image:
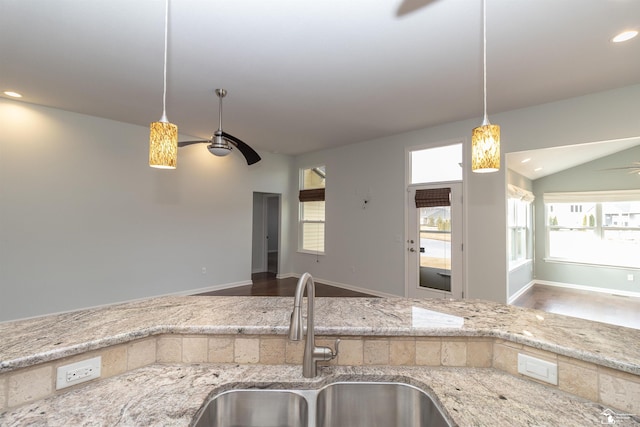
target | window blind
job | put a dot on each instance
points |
(313, 195)
(514, 192)
(433, 197)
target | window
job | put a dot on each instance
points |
(437, 164)
(311, 230)
(519, 222)
(600, 227)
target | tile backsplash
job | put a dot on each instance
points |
(596, 383)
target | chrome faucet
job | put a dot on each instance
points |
(312, 353)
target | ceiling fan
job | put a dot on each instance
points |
(221, 142)
(410, 6)
(635, 168)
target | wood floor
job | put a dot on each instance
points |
(601, 307)
(266, 284)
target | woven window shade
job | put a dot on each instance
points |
(433, 197)
(315, 195)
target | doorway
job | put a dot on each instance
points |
(434, 244)
(266, 233)
(434, 221)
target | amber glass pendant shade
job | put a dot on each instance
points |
(485, 148)
(163, 145)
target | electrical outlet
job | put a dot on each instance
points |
(630, 277)
(538, 368)
(79, 372)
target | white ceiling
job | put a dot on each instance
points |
(304, 75)
(535, 164)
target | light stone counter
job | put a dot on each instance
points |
(172, 395)
(29, 342)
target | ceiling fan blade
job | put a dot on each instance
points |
(623, 168)
(248, 152)
(409, 6)
(183, 143)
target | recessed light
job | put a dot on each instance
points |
(525, 160)
(537, 169)
(12, 94)
(624, 36)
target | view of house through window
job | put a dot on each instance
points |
(594, 228)
(312, 204)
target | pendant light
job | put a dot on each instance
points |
(163, 136)
(485, 139)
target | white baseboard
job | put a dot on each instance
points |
(350, 287)
(590, 288)
(524, 289)
(210, 288)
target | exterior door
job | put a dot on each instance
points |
(434, 242)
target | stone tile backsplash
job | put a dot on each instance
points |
(599, 384)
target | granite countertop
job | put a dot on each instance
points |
(28, 342)
(172, 395)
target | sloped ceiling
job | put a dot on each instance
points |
(305, 75)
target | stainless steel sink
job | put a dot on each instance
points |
(256, 408)
(341, 404)
(365, 404)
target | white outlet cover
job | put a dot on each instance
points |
(538, 369)
(86, 370)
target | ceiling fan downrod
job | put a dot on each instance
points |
(219, 146)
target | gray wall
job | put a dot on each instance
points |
(586, 177)
(85, 221)
(365, 247)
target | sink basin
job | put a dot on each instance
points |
(365, 404)
(343, 404)
(256, 408)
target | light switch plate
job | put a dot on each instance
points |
(538, 369)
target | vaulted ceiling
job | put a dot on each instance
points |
(304, 75)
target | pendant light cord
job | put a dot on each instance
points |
(164, 92)
(485, 121)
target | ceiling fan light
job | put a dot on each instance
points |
(485, 148)
(218, 150)
(163, 145)
(219, 147)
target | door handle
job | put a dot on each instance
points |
(411, 250)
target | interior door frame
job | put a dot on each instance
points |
(266, 216)
(259, 241)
